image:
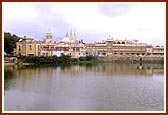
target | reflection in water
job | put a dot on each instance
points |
(107, 86)
(116, 70)
(9, 77)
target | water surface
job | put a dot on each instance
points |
(103, 87)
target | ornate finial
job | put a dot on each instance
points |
(67, 34)
(49, 30)
(71, 32)
(74, 32)
(74, 35)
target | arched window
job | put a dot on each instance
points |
(19, 48)
(30, 47)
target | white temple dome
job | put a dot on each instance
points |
(69, 38)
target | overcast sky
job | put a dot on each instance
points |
(145, 22)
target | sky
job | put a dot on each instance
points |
(145, 22)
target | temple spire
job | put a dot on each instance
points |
(67, 34)
(49, 30)
(71, 32)
(74, 35)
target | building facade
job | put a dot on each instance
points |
(28, 46)
(127, 48)
(70, 45)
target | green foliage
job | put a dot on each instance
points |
(82, 58)
(75, 60)
(88, 60)
(62, 60)
(160, 61)
(10, 42)
(65, 59)
(30, 59)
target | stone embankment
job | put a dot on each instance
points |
(125, 59)
(10, 61)
(118, 59)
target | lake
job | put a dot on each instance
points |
(102, 87)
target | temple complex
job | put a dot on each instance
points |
(71, 45)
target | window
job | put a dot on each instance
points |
(30, 47)
(19, 48)
(77, 49)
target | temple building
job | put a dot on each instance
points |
(47, 45)
(71, 45)
(69, 38)
(48, 37)
(119, 48)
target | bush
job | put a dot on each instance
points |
(30, 59)
(62, 60)
(82, 58)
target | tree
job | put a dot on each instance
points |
(10, 42)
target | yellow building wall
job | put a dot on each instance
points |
(37, 49)
(49, 53)
(19, 48)
(30, 49)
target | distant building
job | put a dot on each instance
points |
(70, 45)
(158, 51)
(129, 48)
(28, 46)
(47, 45)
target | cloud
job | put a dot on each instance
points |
(33, 20)
(91, 21)
(114, 9)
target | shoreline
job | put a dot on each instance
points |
(12, 63)
(87, 62)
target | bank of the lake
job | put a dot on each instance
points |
(89, 59)
(133, 59)
(62, 60)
